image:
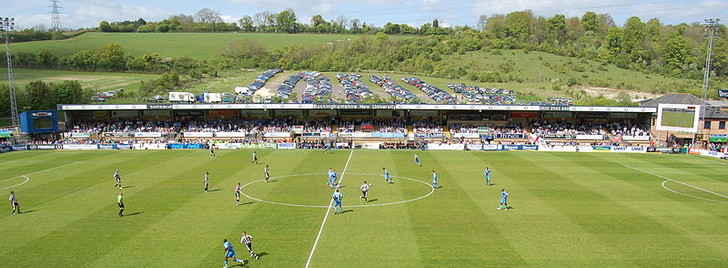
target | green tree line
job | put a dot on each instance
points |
(39, 95)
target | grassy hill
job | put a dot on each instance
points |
(192, 45)
(96, 81)
(534, 75)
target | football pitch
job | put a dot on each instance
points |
(567, 209)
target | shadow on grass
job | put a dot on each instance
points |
(214, 190)
(133, 214)
(347, 211)
(28, 211)
(247, 203)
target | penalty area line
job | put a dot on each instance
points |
(24, 182)
(326, 216)
(676, 181)
(35, 172)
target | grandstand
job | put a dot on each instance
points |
(356, 125)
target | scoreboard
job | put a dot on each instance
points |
(39, 122)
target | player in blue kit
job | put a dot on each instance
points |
(230, 253)
(504, 200)
(487, 175)
(332, 178)
(434, 180)
(417, 160)
(387, 177)
(337, 196)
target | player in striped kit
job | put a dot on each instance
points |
(238, 192)
(267, 173)
(247, 240)
(365, 191)
(14, 202)
(117, 177)
(206, 181)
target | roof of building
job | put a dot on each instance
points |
(713, 112)
(718, 103)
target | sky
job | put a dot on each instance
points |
(88, 13)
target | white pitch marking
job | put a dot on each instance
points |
(668, 179)
(432, 190)
(326, 216)
(671, 190)
(35, 172)
(22, 176)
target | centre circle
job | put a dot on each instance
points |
(432, 190)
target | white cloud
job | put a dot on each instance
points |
(94, 11)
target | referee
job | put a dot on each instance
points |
(120, 201)
(247, 239)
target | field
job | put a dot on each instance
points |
(95, 81)
(192, 45)
(584, 210)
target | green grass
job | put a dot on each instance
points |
(192, 45)
(579, 210)
(95, 81)
(540, 70)
(678, 119)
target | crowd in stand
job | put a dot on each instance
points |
(346, 126)
(509, 128)
(221, 125)
(627, 128)
(126, 126)
(542, 127)
(428, 127)
(322, 125)
(391, 126)
(410, 145)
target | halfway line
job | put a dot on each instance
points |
(326, 216)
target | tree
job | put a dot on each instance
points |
(557, 27)
(518, 24)
(317, 20)
(4, 100)
(82, 60)
(355, 26)
(286, 21)
(246, 24)
(435, 23)
(111, 57)
(676, 50)
(633, 38)
(259, 20)
(391, 28)
(589, 21)
(482, 22)
(69, 92)
(40, 95)
(208, 16)
(104, 26)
